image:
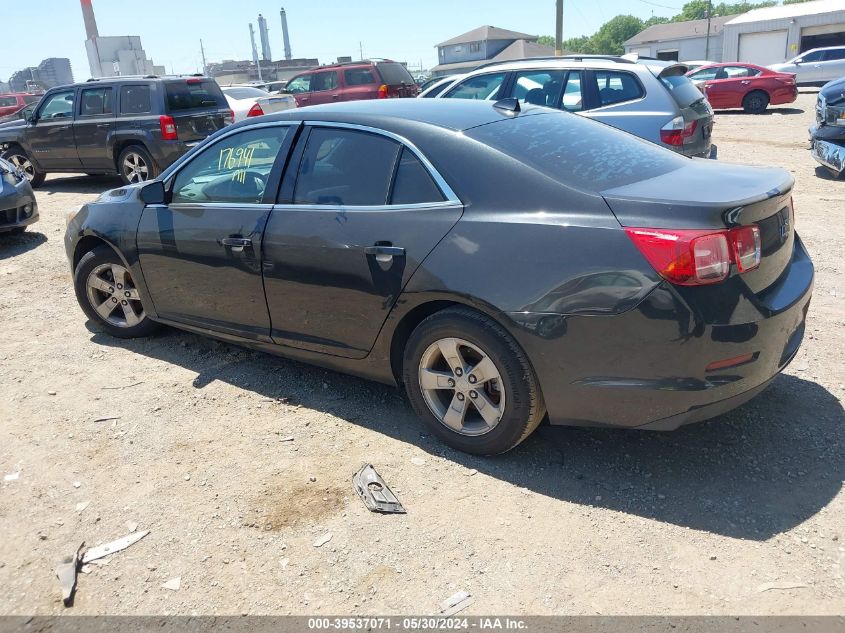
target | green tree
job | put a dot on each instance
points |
(546, 40)
(610, 38)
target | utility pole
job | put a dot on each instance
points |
(559, 28)
(707, 40)
(361, 50)
(202, 51)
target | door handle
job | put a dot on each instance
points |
(236, 243)
(335, 97)
(384, 253)
(745, 82)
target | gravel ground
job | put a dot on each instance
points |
(189, 438)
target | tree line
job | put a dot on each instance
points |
(610, 38)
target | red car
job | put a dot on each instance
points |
(752, 88)
(351, 81)
(14, 101)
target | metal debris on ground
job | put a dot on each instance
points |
(374, 492)
(66, 573)
(131, 526)
(12, 476)
(134, 384)
(323, 540)
(82, 505)
(456, 603)
(115, 546)
(107, 419)
(173, 584)
(780, 585)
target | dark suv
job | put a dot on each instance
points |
(135, 126)
(352, 81)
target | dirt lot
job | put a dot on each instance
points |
(741, 515)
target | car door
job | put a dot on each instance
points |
(200, 253)
(300, 88)
(93, 125)
(347, 234)
(51, 136)
(359, 83)
(324, 88)
(808, 68)
(832, 64)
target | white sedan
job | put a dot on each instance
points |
(247, 101)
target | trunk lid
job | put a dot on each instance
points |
(276, 103)
(197, 106)
(397, 79)
(705, 195)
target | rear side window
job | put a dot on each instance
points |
(358, 77)
(332, 171)
(323, 81)
(191, 94)
(413, 184)
(6, 102)
(617, 87)
(484, 87)
(135, 100)
(576, 151)
(393, 73)
(683, 91)
(838, 53)
(95, 101)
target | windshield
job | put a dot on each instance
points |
(683, 90)
(245, 93)
(578, 152)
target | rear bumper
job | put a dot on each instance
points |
(646, 368)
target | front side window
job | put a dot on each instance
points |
(358, 77)
(95, 101)
(324, 81)
(706, 74)
(732, 72)
(135, 100)
(481, 87)
(57, 106)
(538, 87)
(233, 170)
(617, 87)
(299, 84)
(332, 170)
(815, 56)
(413, 184)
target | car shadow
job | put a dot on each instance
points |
(768, 112)
(14, 245)
(78, 184)
(825, 174)
(753, 473)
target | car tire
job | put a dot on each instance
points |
(505, 385)
(108, 295)
(18, 158)
(755, 102)
(136, 165)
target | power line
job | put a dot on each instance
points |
(662, 6)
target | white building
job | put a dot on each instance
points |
(681, 41)
(118, 56)
(776, 34)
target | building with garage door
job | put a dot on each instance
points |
(776, 34)
(681, 41)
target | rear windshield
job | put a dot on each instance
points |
(393, 73)
(245, 93)
(576, 151)
(682, 89)
(187, 95)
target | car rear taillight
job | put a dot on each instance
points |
(691, 257)
(383, 91)
(677, 131)
(788, 80)
(168, 128)
(255, 111)
(229, 118)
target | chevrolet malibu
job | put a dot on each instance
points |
(504, 263)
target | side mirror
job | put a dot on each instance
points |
(29, 115)
(153, 193)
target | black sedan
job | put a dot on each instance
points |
(18, 208)
(503, 264)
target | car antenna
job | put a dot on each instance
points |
(508, 105)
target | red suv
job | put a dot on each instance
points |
(12, 102)
(351, 81)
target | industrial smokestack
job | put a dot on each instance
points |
(285, 32)
(265, 39)
(90, 20)
(255, 52)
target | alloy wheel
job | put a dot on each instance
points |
(113, 295)
(462, 386)
(24, 164)
(135, 168)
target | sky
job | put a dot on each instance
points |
(397, 29)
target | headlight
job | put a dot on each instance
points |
(69, 217)
(835, 115)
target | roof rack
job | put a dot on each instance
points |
(548, 58)
(371, 60)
